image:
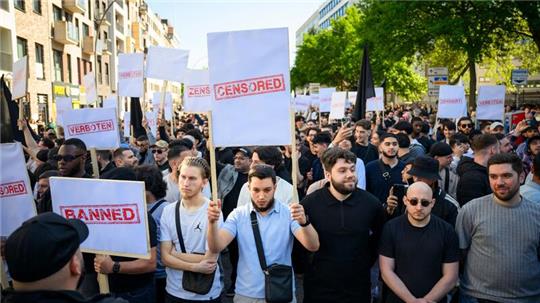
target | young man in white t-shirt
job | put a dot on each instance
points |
(194, 174)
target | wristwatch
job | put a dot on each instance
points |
(116, 267)
(307, 222)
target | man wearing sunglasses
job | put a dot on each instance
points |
(465, 126)
(159, 151)
(419, 253)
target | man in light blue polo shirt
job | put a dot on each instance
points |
(278, 223)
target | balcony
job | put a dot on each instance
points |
(106, 46)
(65, 33)
(143, 9)
(88, 45)
(170, 32)
(120, 28)
(75, 6)
(98, 15)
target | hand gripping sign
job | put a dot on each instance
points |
(452, 103)
(97, 127)
(16, 199)
(249, 75)
(114, 211)
(490, 104)
(197, 92)
(130, 75)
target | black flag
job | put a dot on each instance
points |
(365, 88)
(136, 118)
(10, 130)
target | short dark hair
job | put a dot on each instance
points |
(119, 152)
(507, 158)
(322, 137)
(78, 143)
(176, 150)
(536, 165)
(464, 119)
(105, 154)
(48, 142)
(316, 129)
(387, 135)
(403, 140)
(195, 133)
(459, 138)
(270, 155)
(481, 142)
(262, 171)
(365, 124)
(153, 180)
(404, 126)
(448, 124)
(332, 155)
(142, 138)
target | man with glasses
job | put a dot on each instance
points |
(159, 151)
(419, 254)
(465, 126)
(142, 143)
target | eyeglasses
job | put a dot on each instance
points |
(66, 158)
(466, 126)
(158, 151)
(414, 202)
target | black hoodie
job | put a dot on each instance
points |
(49, 296)
(473, 181)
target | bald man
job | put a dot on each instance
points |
(419, 253)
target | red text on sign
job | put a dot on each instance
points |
(91, 127)
(248, 87)
(12, 189)
(199, 91)
(130, 74)
(103, 214)
(450, 101)
(490, 102)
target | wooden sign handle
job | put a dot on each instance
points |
(212, 150)
(103, 282)
(95, 167)
(3, 275)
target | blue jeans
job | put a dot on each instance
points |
(144, 294)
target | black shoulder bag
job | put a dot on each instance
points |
(195, 282)
(278, 283)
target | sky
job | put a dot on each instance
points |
(192, 20)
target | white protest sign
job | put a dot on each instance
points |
(249, 75)
(490, 104)
(97, 127)
(325, 98)
(127, 124)
(110, 102)
(16, 198)
(151, 119)
(452, 103)
(114, 211)
(89, 83)
(166, 63)
(197, 92)
(302, 103)
(20, 78)
(351, 99)
(130, 75)
(337, 108)
(62, 104)
(167, 105)
(314, 100)
(376, 103)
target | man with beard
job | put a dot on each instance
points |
(381, 174)
(45, 261)
(498, 234)
(419, 253)
(278, 224)
(124, 157)
(465, 126)
(349, 221)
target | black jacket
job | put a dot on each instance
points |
(473, 181)
(49, 296)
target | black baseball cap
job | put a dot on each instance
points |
(42, 245)
(425, 167)
(246, 151)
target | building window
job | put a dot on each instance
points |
(107, 80)
(58, 66)
(99, 70)
(37, 6)
(57, 13)
(86, 30)
(70, 72)
(40, 61)
(79, 73)
(43, 108)
(4, 5)
(22, 47)
(19, 4)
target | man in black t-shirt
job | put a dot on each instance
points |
(419, 253)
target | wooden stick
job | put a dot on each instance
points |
(294, 161)
(95, 167)
(21, 114)
(212, 150)
(162, 101)
(103, 282)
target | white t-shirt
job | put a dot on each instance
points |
(194, 226)
(284, 192)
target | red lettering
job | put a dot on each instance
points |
(103, 214)
(248, 87)
(91, 127)
(69, 214)
(81, 215)
(12, 189)
(128, 214)
(116, 215)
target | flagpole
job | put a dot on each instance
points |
(212, 150)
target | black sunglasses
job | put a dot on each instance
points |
(66, 158)
(414, 202)
(159, 151)
(466, 126)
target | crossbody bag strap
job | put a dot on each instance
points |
(258, 240)
(153, 209)
(178, 227)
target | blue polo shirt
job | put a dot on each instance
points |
(277, 230)
(376, 184)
